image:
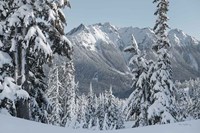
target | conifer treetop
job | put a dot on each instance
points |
(161, 25)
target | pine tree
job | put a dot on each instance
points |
(101, 111)
(90, 112)
(62, 76)
(98, 125)
(194, 107)
(189, 99)
(80, 112)
(105, 121)
(138, 102)
(54, 90)
(67, 78)
(32, 32)
(113, 117)
(120, 114)
(182, 103)
(162, 100)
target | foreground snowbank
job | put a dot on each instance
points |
(16, 125)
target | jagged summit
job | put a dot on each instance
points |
(78, 29)
(105, 24)
(179, 37)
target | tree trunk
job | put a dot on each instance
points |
(22, 105)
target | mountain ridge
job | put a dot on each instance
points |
(99, 53)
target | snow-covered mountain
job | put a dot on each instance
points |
(100, 59)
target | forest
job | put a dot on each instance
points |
(38, 81)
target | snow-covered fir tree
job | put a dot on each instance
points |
(54, 93)
(194, 100)
(90, 111)
(138, 102)
(67, 78)
(101, 112)
(61, 82)
(183, 101)
(162, 107)
(189, 99)
(32, 32)
(80, 112)
(113, 114)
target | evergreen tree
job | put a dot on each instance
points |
(32, 32)
(113, 116)
(101, 112)
(138, 101)
(90, 112)
(162, 100)
(105, 121)
(80, 112)
(189, 99)
(62, 78)
(98, 125)
(67, 78)
(54, 90)
(182, 103)
(194, 101)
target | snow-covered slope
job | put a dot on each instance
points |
(98, 59)
(99, 55)
(16, 125)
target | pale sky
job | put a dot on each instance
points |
(183, 14)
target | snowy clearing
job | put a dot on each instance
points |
(16, 125)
